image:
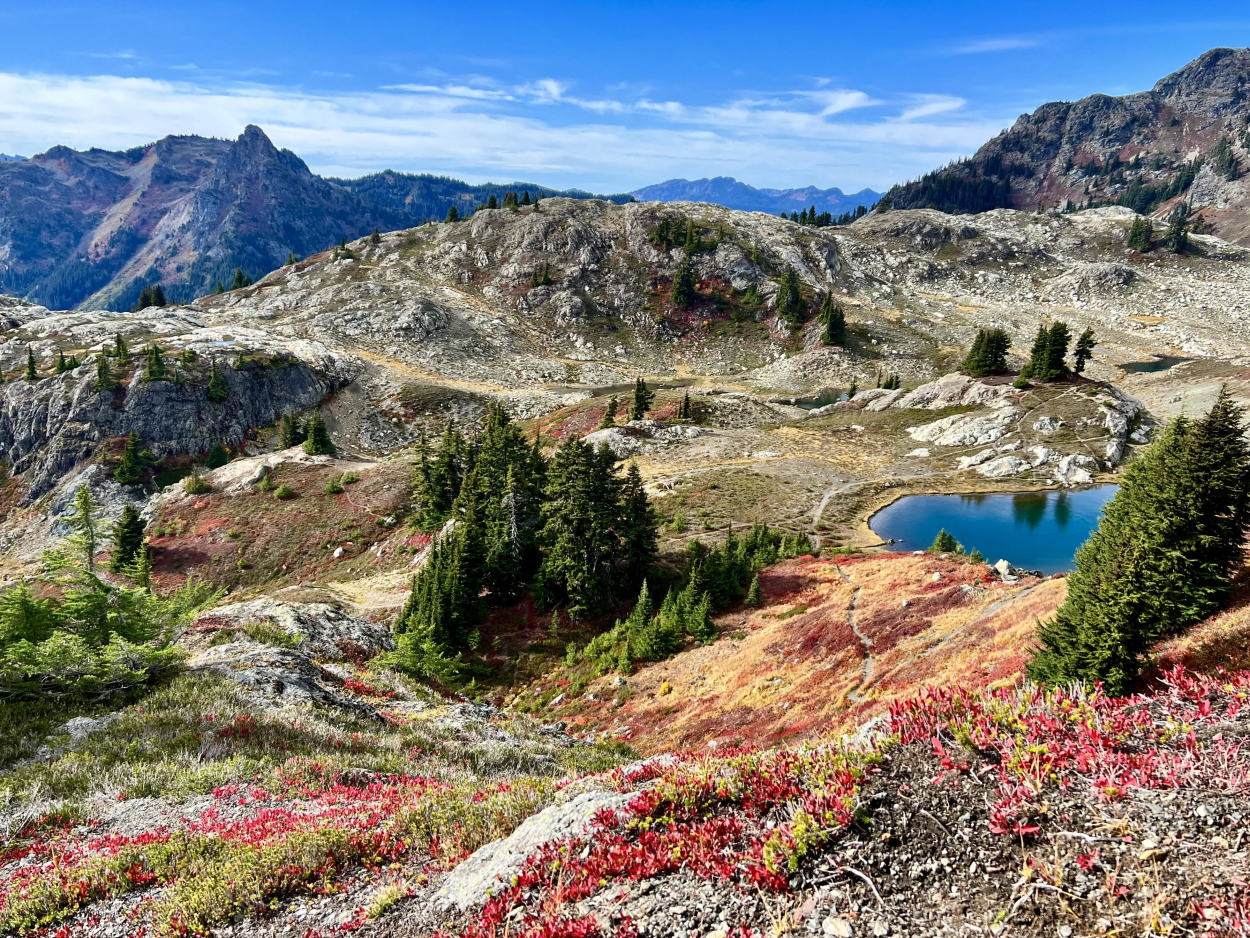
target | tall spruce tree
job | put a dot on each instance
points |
(103, 375)
(834, 320)
(643, 397)
(1162, 556)
(32, 369)
(318, 442)
(1140, 234)
(988, 355)
(684, 293)
(154, 369)
(135, 459)
(290, 432)
(789, 302)
(127, 539)
(609, 414)
(1083, 350)
(218, 388)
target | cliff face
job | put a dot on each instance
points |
(49, 426)
(1185, 139)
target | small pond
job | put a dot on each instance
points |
(1033, 530)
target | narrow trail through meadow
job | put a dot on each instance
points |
(857, 695)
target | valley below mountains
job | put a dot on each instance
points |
(514, 574)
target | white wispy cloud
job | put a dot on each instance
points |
(477, 128)
(997, 44)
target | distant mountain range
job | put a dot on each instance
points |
(1187, 140)
(91, 228)
(729, 192)
(8, 158)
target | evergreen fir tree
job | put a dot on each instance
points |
(639, 544)
(375, 239)
(1056, 353)
(218, 388)
(135, 459)
(318, 442)
(120, 351)
(1162, 556)
(1084, 349)
(103, 376)
(155, 368)
(683, 284)
(525, 197)
(1140, 234)
(643, 398)
(241, 280)
(84, 522)
(988, 355)
(1176, 239)
(834, 320)
(62, 365)
(218, 288)
(790, 306)
(290, 432)
(609, 414)
(683, 409)
(945, 543)
(32, 372)
(291, 258)
(753, 594)
(127, 539)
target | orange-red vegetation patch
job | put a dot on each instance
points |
(800, 666)
(1222, 641)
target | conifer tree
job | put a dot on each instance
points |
(945, 543)
(290, 432)
(241, 280)
(120, 351)
(1056, 352)
(84, 522)
(291, 258)
(639, 544)
(317, 441)
(218, 388)
(609, 414)
(834, 320)
(643, 398)
(127, 539)
(683, 409)
(62, 365)
(790, 306)
(375, 239)
(1084, 349)
(753, 594)
(1140, 234)
(1162, 556)
(1176, 238)
(103, 376)
(218, 288)
(32, 372)
(155, 368)
(683, 284)
(135, 459)
(988, 355)
(525, 198)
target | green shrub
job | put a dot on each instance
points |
(283, 492)
(333, 487)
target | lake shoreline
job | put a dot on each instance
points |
(1043, 532)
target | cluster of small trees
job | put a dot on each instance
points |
(1047, 358)
(714, 579)
(571, 528)
(82, 636)
(988, 355)
(150, 295)
(1162, 557)
(945, 543)
(311, 433)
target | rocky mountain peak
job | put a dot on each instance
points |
(1219, 73)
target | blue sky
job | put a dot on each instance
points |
(607, 96)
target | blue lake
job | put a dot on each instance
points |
(1033, 530)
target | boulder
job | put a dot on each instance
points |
(974, 429)
(1004, 467)
(493, 866)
